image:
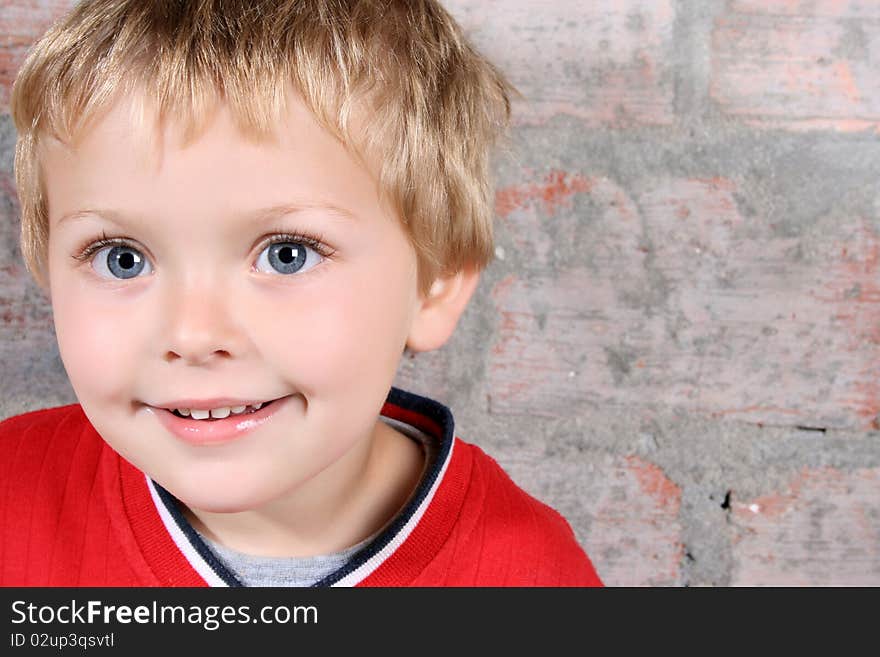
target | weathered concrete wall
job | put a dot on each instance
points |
(678, 345)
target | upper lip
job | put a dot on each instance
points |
(214, 402)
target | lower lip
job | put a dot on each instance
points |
(214, 432)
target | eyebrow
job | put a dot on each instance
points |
(260, 216)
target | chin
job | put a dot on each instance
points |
(224, 496)
(216, 503)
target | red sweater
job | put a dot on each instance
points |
(75, 513)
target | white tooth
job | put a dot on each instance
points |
(238, 409)
(258, 405)
(220, 413)
(198, 414)
(183, 411)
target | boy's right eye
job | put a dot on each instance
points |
(120, 262)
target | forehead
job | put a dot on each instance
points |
(134, 120)
(127, 156)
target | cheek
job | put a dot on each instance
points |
(95, 342)
(350, 331)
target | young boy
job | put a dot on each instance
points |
(243, 212)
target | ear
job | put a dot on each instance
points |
(439, 310)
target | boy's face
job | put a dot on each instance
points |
(197, 305)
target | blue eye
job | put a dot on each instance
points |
(287, 258)
(121, 262)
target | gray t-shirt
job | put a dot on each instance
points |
(281, 571)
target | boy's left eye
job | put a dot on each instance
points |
(287, 258)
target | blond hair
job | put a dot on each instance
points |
(392, 78)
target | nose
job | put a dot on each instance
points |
(200, 325)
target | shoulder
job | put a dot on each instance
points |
(51, 506)
(40, 425)
(41, 445)
(504, 499)
(532, 536)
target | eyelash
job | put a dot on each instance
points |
(316, 243)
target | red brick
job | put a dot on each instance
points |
(10, 222)
(835, 8)
(606, 63)
(824, 529)
(799, 68)
(22, 22)
(635, 532)
(25, 320)
(554, 191)
(752, 341)
(850, 289)
(561, 326)
(624, 510)
(555, 320)
(709, 312)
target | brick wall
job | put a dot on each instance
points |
(678, 345)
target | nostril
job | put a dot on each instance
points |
(196, 356)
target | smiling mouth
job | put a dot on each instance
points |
(248, 410)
